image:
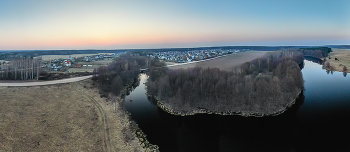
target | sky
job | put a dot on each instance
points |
(132, 24)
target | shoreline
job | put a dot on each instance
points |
(337, 65)
(140, 135)
(169, 109)
(114, 107)
(329, 69)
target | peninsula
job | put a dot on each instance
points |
(264, 86)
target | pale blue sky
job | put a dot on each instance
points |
(78, 24)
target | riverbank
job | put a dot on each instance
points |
(126, 133)
(65, 117)
(192, 111)
(343, 59)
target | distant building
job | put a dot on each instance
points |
(67, 63)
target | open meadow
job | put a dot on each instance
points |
(343, 56)
(63, 117)
(227, 62)
(52, 57)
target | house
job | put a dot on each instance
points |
(67, 63)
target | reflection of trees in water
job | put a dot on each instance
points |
(315, 60)
(344, 74)
(301, 65)
(222, 133)
(133, 86)
(152, 100)
(327, 71)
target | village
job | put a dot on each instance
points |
(193, 55)
(78, 64)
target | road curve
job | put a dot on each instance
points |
(39, 83)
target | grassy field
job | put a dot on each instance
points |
(343, 55)
(95, 64)
(73, 70)
(52, 57)
(224, 63)
(65, 117)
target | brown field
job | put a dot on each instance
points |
(95, 64)
(100, 62)
(52, 57)
(65, 117)
(343, 55)
(73, 70)
(225, 63)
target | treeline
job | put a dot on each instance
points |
(264, 85)
(34, 53)
(20, 69)
(318, 52)
(120, 73)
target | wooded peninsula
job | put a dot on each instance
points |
(264, 86)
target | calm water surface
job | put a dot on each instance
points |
(319, 121)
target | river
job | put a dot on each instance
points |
(317, 122)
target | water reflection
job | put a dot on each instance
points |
(314, 60)
(205, 132)
(226, 133)
(316, 122)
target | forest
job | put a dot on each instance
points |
(120, 73)
(263, 86)
(14, 55)
(317, 52)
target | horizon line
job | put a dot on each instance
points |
(180, 47)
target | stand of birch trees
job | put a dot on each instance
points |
(21, 69)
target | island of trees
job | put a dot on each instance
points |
(264, 86)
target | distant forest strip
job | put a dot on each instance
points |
(317, 52)
(263, 86)
(34, 53)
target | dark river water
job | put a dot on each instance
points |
(319, 121)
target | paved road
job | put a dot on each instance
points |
(26, 84)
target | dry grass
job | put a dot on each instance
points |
(225, 63)
(100, 62)
(62, 118)
(52, 57)
(122, 136)
(73, 70)
(343, 55)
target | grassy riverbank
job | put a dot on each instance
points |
(65, 117)
(343, 56)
